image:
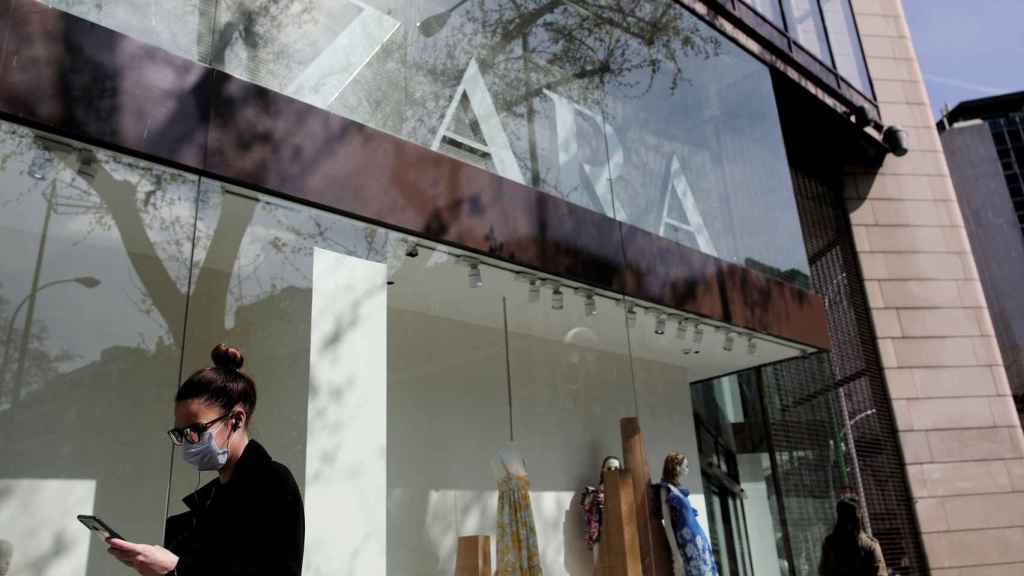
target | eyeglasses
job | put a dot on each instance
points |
(192, 433)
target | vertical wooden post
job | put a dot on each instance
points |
(619, 554)
(655, 555)
(474, 556)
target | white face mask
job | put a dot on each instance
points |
(205, 455)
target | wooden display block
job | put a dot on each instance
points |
(474, 556)
(619, 552)
(655, 554)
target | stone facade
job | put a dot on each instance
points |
(961, 436)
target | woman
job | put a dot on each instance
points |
(848, 551)
(250, 519)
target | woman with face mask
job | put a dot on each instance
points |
(249, 520)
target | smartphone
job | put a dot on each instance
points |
(99, 526)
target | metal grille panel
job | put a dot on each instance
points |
(869, 455)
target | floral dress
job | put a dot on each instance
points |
(693, 544)
(592, 502)
(517, 550)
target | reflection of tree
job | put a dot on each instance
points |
(41, 364)
(578, 46)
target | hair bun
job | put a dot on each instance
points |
(227, 357)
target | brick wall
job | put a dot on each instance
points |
(960, 433)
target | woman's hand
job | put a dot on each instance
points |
(146, 559)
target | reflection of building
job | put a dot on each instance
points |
(984, 144)
(578, 218)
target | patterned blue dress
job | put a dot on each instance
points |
(694, 547)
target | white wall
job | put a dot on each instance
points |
(760, 529)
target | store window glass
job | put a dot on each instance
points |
(702, 157)
(803, 19)
(93, 282)
(842, 33)
(771, 9)
(571, 385)
(736, 465)
(346, 56)
(517, 89)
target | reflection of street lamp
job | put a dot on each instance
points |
(431, 25)
(828, 294)
(87, 281)
(848, 433)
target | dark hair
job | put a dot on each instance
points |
(848, 520)
(222, 384)
(605, 462)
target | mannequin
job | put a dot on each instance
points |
(691, 550)
(508, 460)
(516, 545)
(592, 502)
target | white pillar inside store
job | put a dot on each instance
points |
(346, 448)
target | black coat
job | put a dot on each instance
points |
(253, 524)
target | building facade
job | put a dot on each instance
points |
(443, 231)
(984, 147)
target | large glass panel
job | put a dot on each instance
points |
(771, 9)
(314, 340)
(702, 156)
(178, 26)
(734, 432)
(803, 19)
(846, 48)
(93, 281)
(347, 56)
(516, 88)
(571, 384)
(449, 408)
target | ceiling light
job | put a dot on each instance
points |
(730, 340)
(557, 298)
(698, 334)
(412, 250)
(681, 327)
(659, 324)
(476, 278)
(590, 305)
(751, 345)
(630, 315)
(534, 291)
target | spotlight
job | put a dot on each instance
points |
(590, 305)
(630, 315)
(751, 345)
(557, 298)
(41, 165)
(895, 139)
(698, 334)
(681, 327)
(476, 279)
(534, 291)
(687, 351)
(659, 324)
(730, 340)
